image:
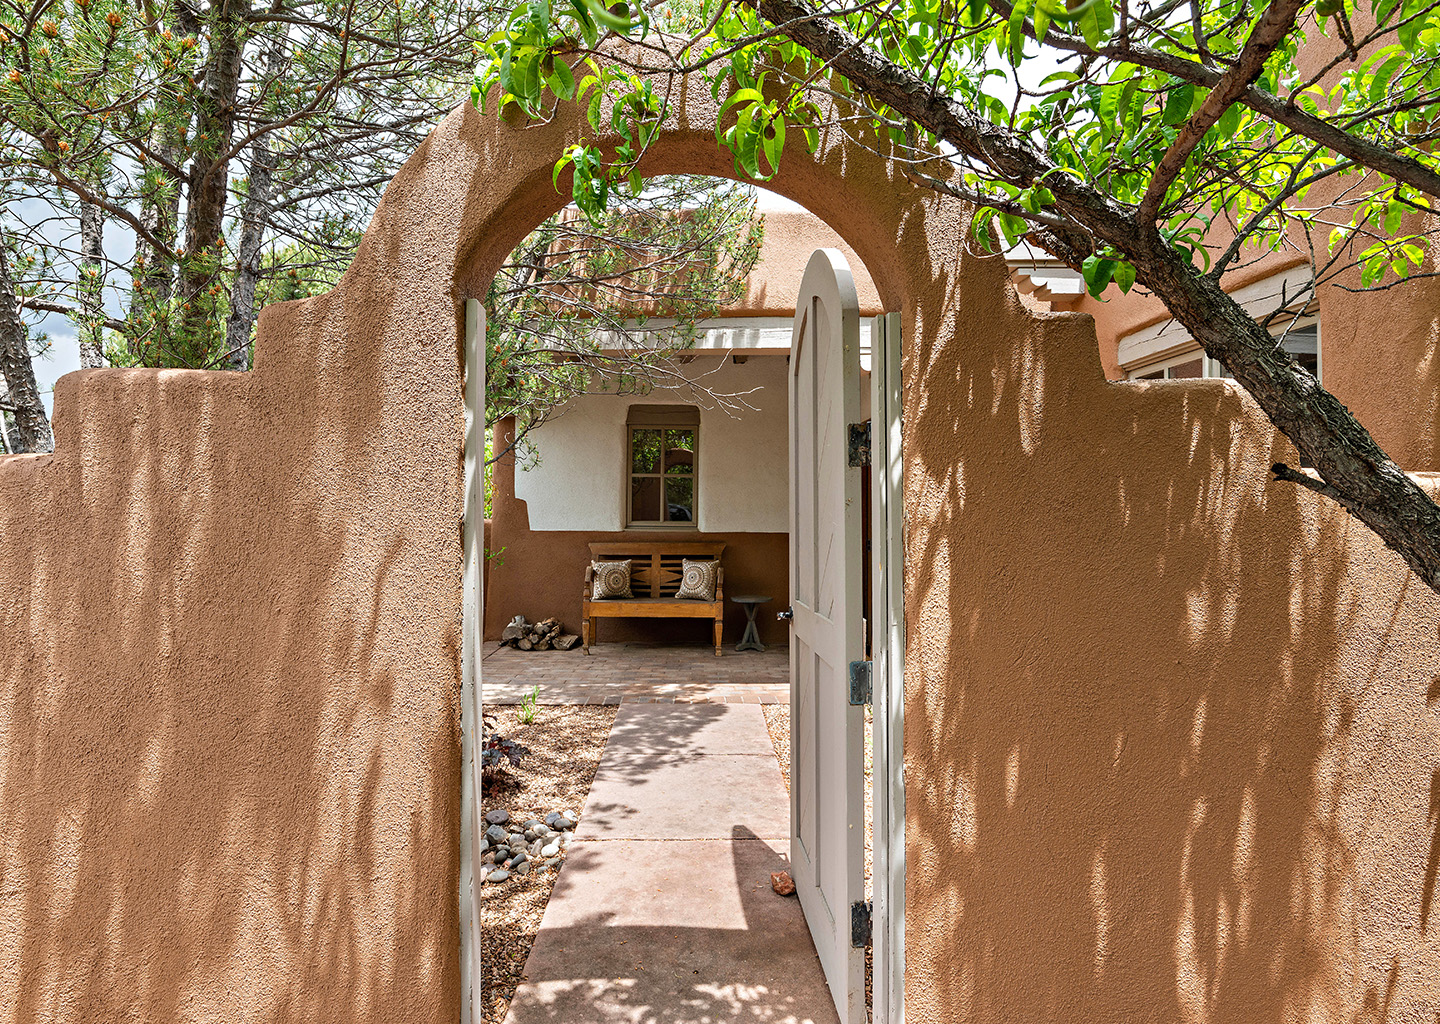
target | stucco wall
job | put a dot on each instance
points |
(578, 481)
(1170, 736)
(1169, 749)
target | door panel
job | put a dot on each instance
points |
(827, 767)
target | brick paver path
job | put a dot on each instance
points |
(636, 674)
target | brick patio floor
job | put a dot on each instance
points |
(636, 674)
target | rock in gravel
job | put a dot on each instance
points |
(498, 876)
(516, 840)
(550, 850)
(499, 816)
(518, 859)
(496, 834)
(565, 840)
(782, 883)
(523, 868)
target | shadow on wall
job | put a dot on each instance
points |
(1170, 720)
(229, 671)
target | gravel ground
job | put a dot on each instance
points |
(777, 721)
(565, 745)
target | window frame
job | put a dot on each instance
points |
(661, 418)
(1211, 368)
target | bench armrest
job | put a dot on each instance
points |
(586, 590)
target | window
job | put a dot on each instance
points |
(661, 445)
(1302, 342)
(1180, 367)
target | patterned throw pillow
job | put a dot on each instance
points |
(697, 580)
(611, 579)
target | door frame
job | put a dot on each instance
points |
(887, 631)
(472, 616)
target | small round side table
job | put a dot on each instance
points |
(751, 603)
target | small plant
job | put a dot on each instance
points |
(496, 750)
(528, 704)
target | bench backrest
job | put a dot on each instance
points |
(656, 566)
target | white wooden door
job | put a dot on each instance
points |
(827, 766)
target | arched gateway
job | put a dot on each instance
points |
(231, 655)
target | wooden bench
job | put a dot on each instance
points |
(655, 571)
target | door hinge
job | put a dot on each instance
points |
(862, 686)
(860, 924)
(859, 444)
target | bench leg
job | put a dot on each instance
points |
(585, 634)
(719, 627)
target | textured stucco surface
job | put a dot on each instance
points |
(1169, 754)
(1170, 736)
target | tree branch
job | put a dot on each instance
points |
(1274, 25)
(1328, 436)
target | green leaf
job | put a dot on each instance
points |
(1380, 84)
(1177, 104)
(1098, 272)
(1095, 19)
(562, 81)
(774, 142)
(1229, 121)
(1124, 276)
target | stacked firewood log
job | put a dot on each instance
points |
(537, 636)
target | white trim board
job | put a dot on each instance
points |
(1167, 337)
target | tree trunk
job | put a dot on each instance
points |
(254, 219)
(92, 283)
(254, 216)
(32, 426)
(5, 448)
(209, 175)
(1354, 470)
(160, 213)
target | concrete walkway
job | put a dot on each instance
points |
(637, 673)
(663, 912)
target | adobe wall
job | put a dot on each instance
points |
(1170, 732)
(1168, 748)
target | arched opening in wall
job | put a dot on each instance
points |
(643, 377)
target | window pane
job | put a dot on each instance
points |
(1156, 375)
(1194, 368)
(680, 499)
(644, 451)
(645, 499)
(679, 451)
